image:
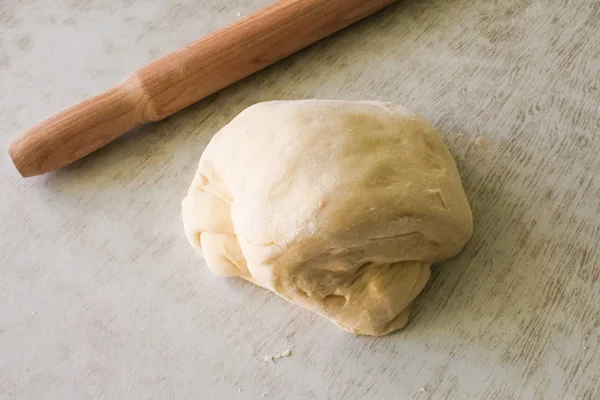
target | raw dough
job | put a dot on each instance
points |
(339, 207)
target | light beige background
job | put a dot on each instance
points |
(102, 298)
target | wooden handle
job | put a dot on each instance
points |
(184, 77)
(76, 131)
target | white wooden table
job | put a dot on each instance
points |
(101, 297)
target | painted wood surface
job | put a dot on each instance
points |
(101, 297)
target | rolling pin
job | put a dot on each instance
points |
(184, 77)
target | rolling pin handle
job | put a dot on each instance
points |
(79, 130)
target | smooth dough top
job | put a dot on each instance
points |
(340, 207)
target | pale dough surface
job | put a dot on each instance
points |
(340, 207)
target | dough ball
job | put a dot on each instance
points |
(339, 207)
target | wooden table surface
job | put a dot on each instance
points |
(101, 297)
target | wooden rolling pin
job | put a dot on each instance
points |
(184, 77)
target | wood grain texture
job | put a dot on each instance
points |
(182, 78)
(101, 297)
